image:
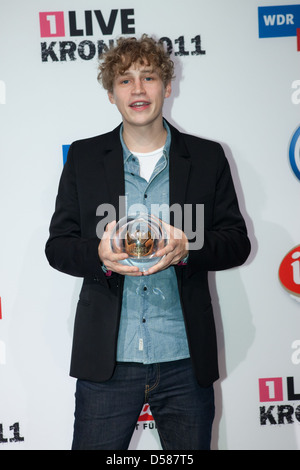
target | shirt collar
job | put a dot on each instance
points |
(127, 153)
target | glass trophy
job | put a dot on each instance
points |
(140, 236)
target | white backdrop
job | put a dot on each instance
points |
(243, 92)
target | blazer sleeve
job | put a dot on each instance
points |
(67, 250)
(226, 243)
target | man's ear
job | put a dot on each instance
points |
(111, 97)
(168, 90)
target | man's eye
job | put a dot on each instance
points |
(148, 79)
(125, 82)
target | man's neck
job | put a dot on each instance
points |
(145, 138)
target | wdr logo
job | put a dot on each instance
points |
(279, 21)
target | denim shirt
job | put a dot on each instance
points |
(152, 326)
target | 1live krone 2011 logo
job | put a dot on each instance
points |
(280, 397)
(73, 35)
(272, 390)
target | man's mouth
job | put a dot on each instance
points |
(139, 104)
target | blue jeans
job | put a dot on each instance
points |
(106, 413)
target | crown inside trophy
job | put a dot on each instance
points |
(140, 236)
(139, 243)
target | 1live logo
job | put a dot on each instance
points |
(271, 389)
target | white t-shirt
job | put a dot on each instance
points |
(148, 161)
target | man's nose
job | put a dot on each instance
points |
(138, 86)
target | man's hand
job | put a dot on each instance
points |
(111, 259)
(175, 251)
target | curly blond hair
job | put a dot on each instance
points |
(145, 51)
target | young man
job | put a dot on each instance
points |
(144, 337)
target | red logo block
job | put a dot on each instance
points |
(146, 414)
(289, 271)
(270, 389)
(298, 39)
(52, 24)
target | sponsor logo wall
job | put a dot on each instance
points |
(237, 82)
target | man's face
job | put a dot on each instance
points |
(139, 95)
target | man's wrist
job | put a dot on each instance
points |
(106, 271)
(184, 260)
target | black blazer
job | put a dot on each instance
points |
(94, 175)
